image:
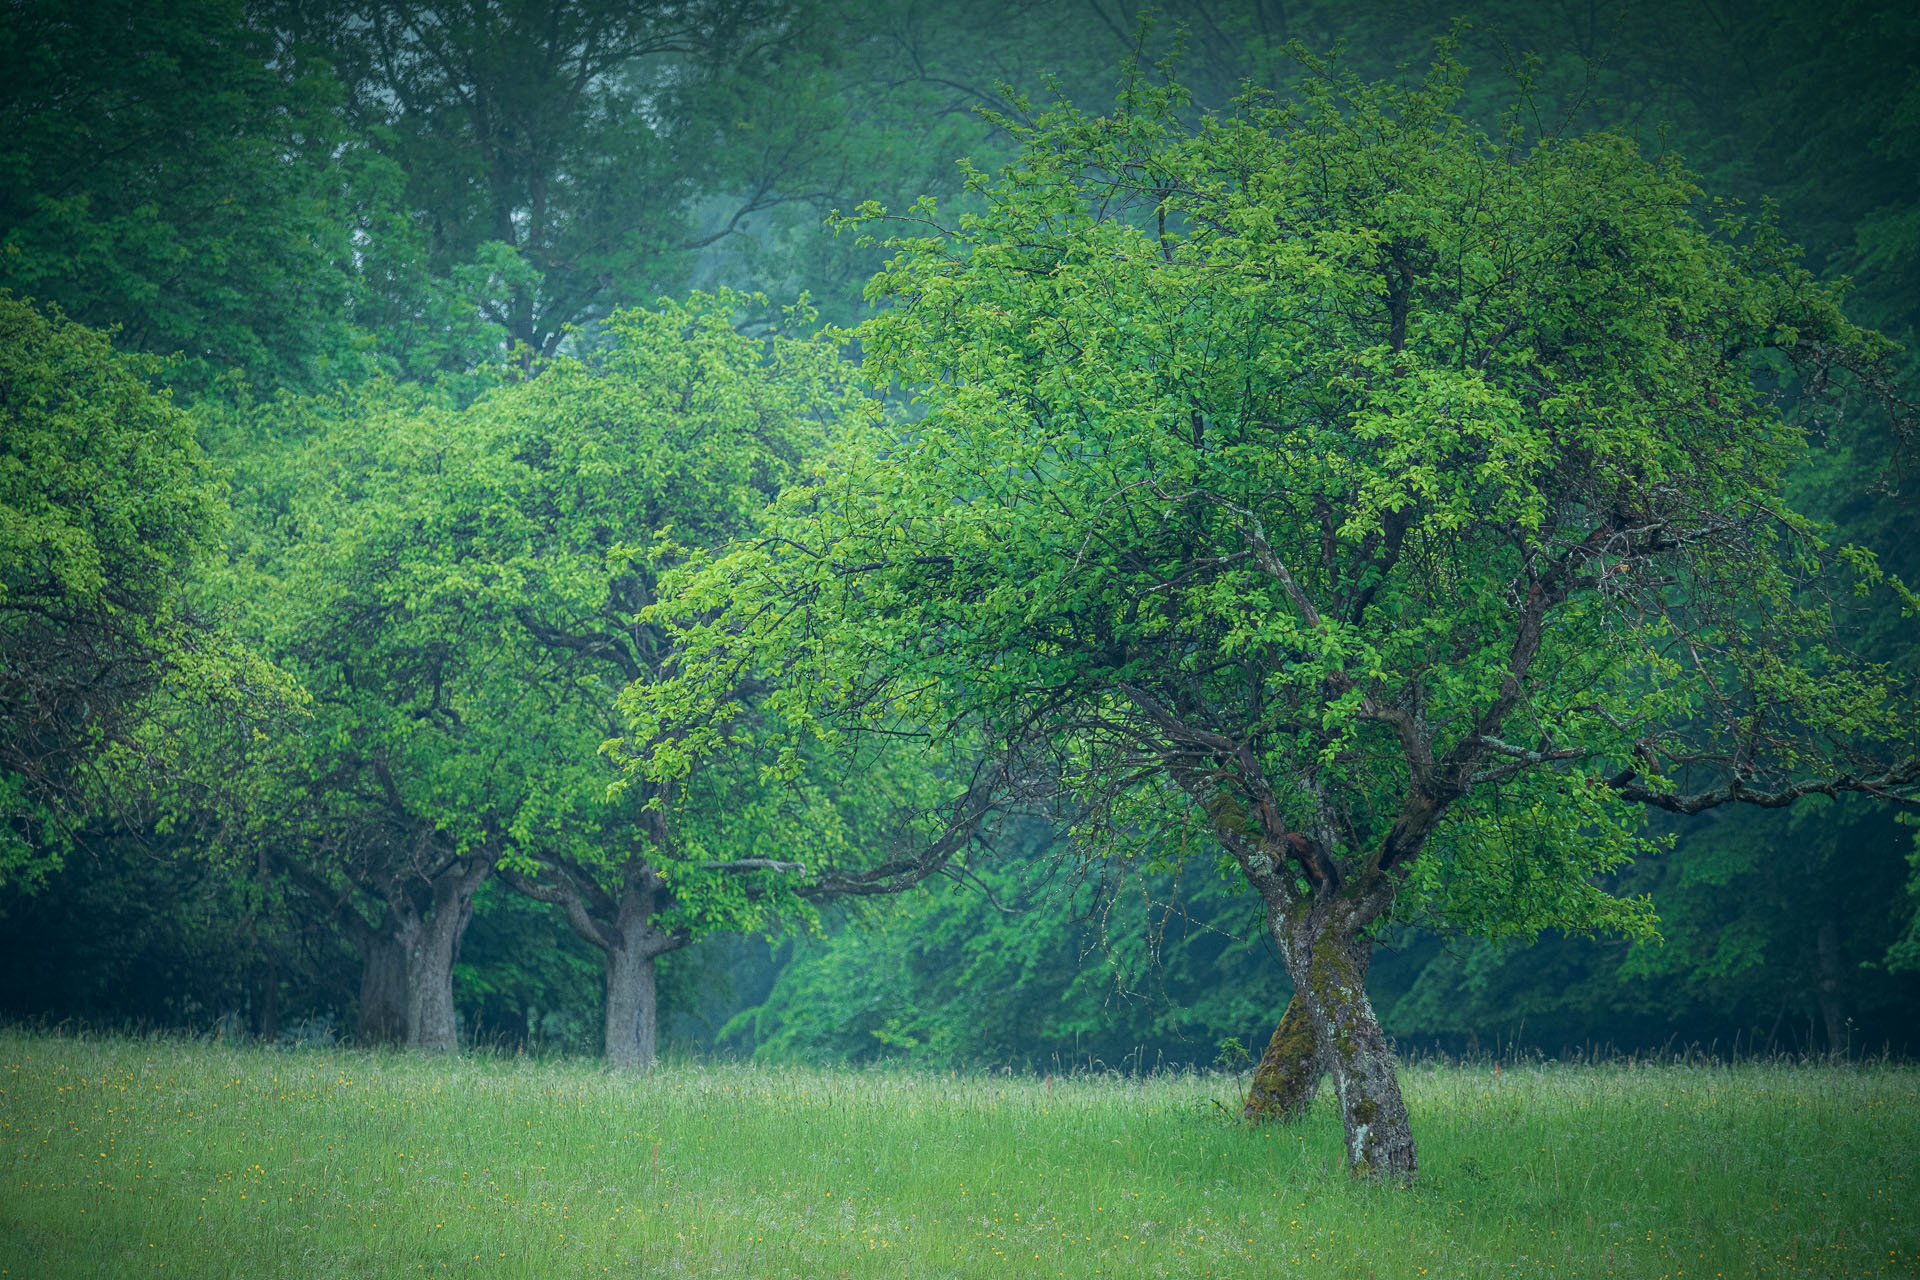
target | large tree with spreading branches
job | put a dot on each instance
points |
(1393, 508)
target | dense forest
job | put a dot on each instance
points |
(397, 397)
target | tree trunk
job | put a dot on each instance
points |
(1288, 1077)
(623, 925)
(1827, 943)
(632, 1009)
(1327, 958)
(383, 983)
(432, 950)
(265, 981)
(431, 1025)
(633, 948)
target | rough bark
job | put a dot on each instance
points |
(632, 1021)
(1327, 956)
(407, 959)
(622, 924)
(433, 947)
(1288, 1077)
(633, 945)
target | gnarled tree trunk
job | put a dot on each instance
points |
(1318, 914)
(406, 960)
(1288, 1077)
(433, 945)
(624, 927)
(1327, 956)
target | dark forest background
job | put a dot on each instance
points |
(285, 203)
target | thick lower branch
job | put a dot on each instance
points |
(1899, 784)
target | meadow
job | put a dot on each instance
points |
(126, 1156)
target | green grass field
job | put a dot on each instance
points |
(144, 1157)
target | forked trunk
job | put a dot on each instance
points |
(623, 923)
(1327, 957)
(1288, 1077)
(633, 947)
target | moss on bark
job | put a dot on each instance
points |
(1289, 1073)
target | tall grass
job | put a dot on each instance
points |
(145, 1157)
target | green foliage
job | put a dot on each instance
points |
(600, 475)
(582, 143)
(1775, 929)
(1028, 969)
(884, 101)
(463, 591)
(154, 929)
(522, 985)
(107, 509)
(1336, 461)
(298, 192)
(165, 174)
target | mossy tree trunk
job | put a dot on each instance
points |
(1288, 1077)
(1327, 954)
(1319, 915)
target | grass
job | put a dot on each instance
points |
(163, 1157)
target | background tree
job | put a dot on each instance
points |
(563, 147)
(107, 508)
(391, 808)
(670, 442)
(1396, 503)
(165, 174)
(463, 592)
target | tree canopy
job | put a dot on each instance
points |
(464, 592)
(1396, 506)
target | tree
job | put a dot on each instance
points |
(1800, 105)
(558, 147)
(389, 809)
(107, 510)
(464, 590)
(165, 175)
(601, 476)
(1397, 506)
